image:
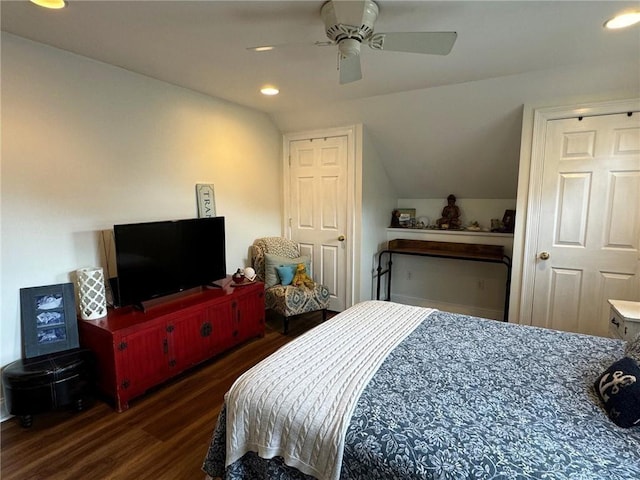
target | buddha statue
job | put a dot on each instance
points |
(450, 215)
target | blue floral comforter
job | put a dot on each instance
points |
(468, 398)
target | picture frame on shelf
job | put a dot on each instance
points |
(509, 221)
(407, 217)
(48, 317)
(206, 199)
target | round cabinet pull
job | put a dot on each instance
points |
(341, 238)
(544, 255)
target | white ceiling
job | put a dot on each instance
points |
(201, 45)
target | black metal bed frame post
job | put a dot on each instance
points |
(384, 272)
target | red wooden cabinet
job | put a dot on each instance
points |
(140, 361)
(137, 350)
(246, 309)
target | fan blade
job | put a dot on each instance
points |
(434, 43)
(278, 46)
(350, 69)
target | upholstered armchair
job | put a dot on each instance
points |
(270, 254)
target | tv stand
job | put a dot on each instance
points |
(137, 350)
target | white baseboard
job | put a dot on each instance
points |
(448, 307)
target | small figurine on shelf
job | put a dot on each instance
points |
(395, 219)
(450, 215)
(238, 277)
(474, 226)
(250, 274)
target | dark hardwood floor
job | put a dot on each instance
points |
(163, 435)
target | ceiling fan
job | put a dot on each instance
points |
(349, 24)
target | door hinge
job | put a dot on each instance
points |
(122, 346)
(125, 384)
(170, 328)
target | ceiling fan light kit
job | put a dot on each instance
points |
(349, 47)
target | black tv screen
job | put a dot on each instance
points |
(161, 258)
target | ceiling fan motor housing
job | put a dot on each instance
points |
(349, 23)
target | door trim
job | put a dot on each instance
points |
(532, 148)
(350, 133)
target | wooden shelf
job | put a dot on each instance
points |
(452, 233)
(464, 251)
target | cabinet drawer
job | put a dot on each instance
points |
(621, 326)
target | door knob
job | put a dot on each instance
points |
(544, 255)
(341, 238)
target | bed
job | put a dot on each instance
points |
(390, 391)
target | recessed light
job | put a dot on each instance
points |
(52, 4)
(269, 91)
(623, 20)
(262, 48)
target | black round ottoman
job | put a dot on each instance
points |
(44, 383)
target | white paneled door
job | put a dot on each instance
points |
(318, 189)
(589, 228)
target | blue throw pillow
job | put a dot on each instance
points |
(619, 389)
(286, 273)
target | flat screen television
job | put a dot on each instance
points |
(160, 258)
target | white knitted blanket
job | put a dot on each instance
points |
(298, 402)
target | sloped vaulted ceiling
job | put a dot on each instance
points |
(440, 124)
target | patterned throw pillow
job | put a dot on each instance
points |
(619, 389)
(632, 349)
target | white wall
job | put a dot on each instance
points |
(86, 145)
(378, 200)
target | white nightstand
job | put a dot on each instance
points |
(625, 319)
